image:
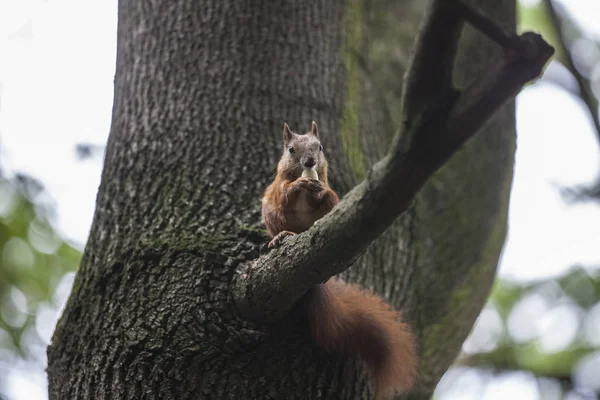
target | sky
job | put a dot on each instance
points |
(56, 83)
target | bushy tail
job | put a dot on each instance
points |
(346, 318)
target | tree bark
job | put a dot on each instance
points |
(201, 93)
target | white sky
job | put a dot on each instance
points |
(56, 82)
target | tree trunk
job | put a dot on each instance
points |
(201, 94)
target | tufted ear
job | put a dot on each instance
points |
(287, 133)
(314, 130)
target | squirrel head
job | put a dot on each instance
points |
(302, 152)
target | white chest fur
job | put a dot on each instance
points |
(304, 213)
(301, 205)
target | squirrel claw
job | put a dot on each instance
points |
(278, 239)
(310, 185)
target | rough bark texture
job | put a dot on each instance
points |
(201, 92)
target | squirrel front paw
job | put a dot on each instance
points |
(278, 239)
(310, 185)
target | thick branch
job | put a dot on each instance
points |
(268, 287)
(432, 61)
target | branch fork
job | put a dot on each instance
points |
(439, 119)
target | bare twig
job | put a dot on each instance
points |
(438, 120)
(585, 90)
(565, 378)
(503, 359)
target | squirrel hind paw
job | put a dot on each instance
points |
(278, 239)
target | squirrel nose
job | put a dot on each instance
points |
(310, 162)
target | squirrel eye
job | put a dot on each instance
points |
(291, 149)
(321, 147)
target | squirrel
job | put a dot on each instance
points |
(342, 317)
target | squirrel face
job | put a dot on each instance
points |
(301, 152)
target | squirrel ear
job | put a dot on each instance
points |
(287, 133)
(314, 130)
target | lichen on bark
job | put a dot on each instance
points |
(350, 122)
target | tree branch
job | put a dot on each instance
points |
(585, 91)
(429, 73)
(565, 379)
(504, 358)
(438, 120)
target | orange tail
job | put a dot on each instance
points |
(345, 318)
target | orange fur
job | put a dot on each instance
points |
(342, 317)
(281, 198)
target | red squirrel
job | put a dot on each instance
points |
(342, 317)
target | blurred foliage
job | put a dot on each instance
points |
(546, 333)
(34, 261)
(548, 328)
(85, 151)
(579, 53)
